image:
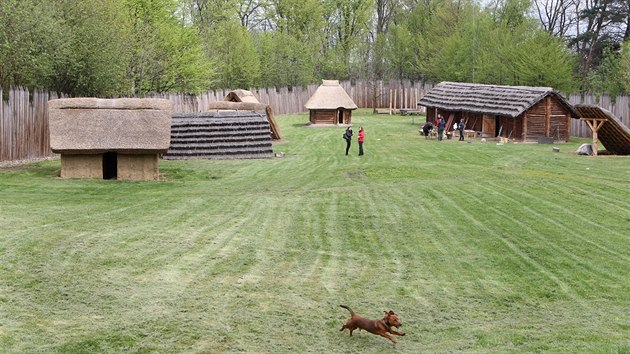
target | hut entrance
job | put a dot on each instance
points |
(110, 165)
(489, 126)
(339, 116)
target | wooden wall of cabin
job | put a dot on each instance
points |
(536, 124)
(431, 115)
(559, 122)
(473, 121)
(511, 128)
(347, 116)
(547, 118)
(323, 116)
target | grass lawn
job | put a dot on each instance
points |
(477, 247)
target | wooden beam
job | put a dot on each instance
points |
(524, 133)
(594, 124)
(548, 116)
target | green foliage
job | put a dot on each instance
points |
(133, 47)
(611, 76)
(539, 59)
(302, 19)
(165, 54)
(28, 42)
(235, 55)
(285, 61)
(475, 45)
(400, 54)
(625, 65)
(347, 24)
(90, 58)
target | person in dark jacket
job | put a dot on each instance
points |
(441, 124)
(426, 129)
(348, 136)
(460, 127)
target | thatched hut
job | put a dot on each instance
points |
(248, 106)
(110, 138)
(241, 96)
(221, 134)
(522, 113)
(330, 104)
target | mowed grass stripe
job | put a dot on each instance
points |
(533, 236)
(589, 219)
(568, 237)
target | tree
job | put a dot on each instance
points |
(347, 24)
(556, 16)
(234, 53)
(624, 65)
(385, 14)
(90, 59)
(496, 46)
(28, 38)
(600, 25)
(285, 61)
(607, 76)
(251, 13)
(165, 54)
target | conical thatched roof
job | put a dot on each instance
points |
(614, 135)
(241, 96)
(509, 101)
(330, 95)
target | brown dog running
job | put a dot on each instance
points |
(378, 327)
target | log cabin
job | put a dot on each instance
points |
(522, 113)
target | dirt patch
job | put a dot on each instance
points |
(19, 164)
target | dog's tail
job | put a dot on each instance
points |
(347, 308)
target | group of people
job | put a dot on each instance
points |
(426, 130)
(348, 137)
(441, 126)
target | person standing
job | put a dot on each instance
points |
(361, 140)
(348, 136)
(426, 129)
(441, 124)
(460, 127)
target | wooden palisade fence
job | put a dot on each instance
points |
(24, 116)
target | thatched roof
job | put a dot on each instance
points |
(509, 101)
(249, 106)
(614, 135)
(220, 135)
(241, 96)
(94, 125)
(330, 95)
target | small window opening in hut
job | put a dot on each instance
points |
(340, 116)
(110, 165)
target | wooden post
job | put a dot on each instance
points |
(594, 124)
(415, 98)
(390, 101)
(405, 93)
(548, 116)
(524, 134)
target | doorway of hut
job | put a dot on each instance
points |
(489, 126)
(110, 165)
(339, 116)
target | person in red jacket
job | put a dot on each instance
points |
(361, 140)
